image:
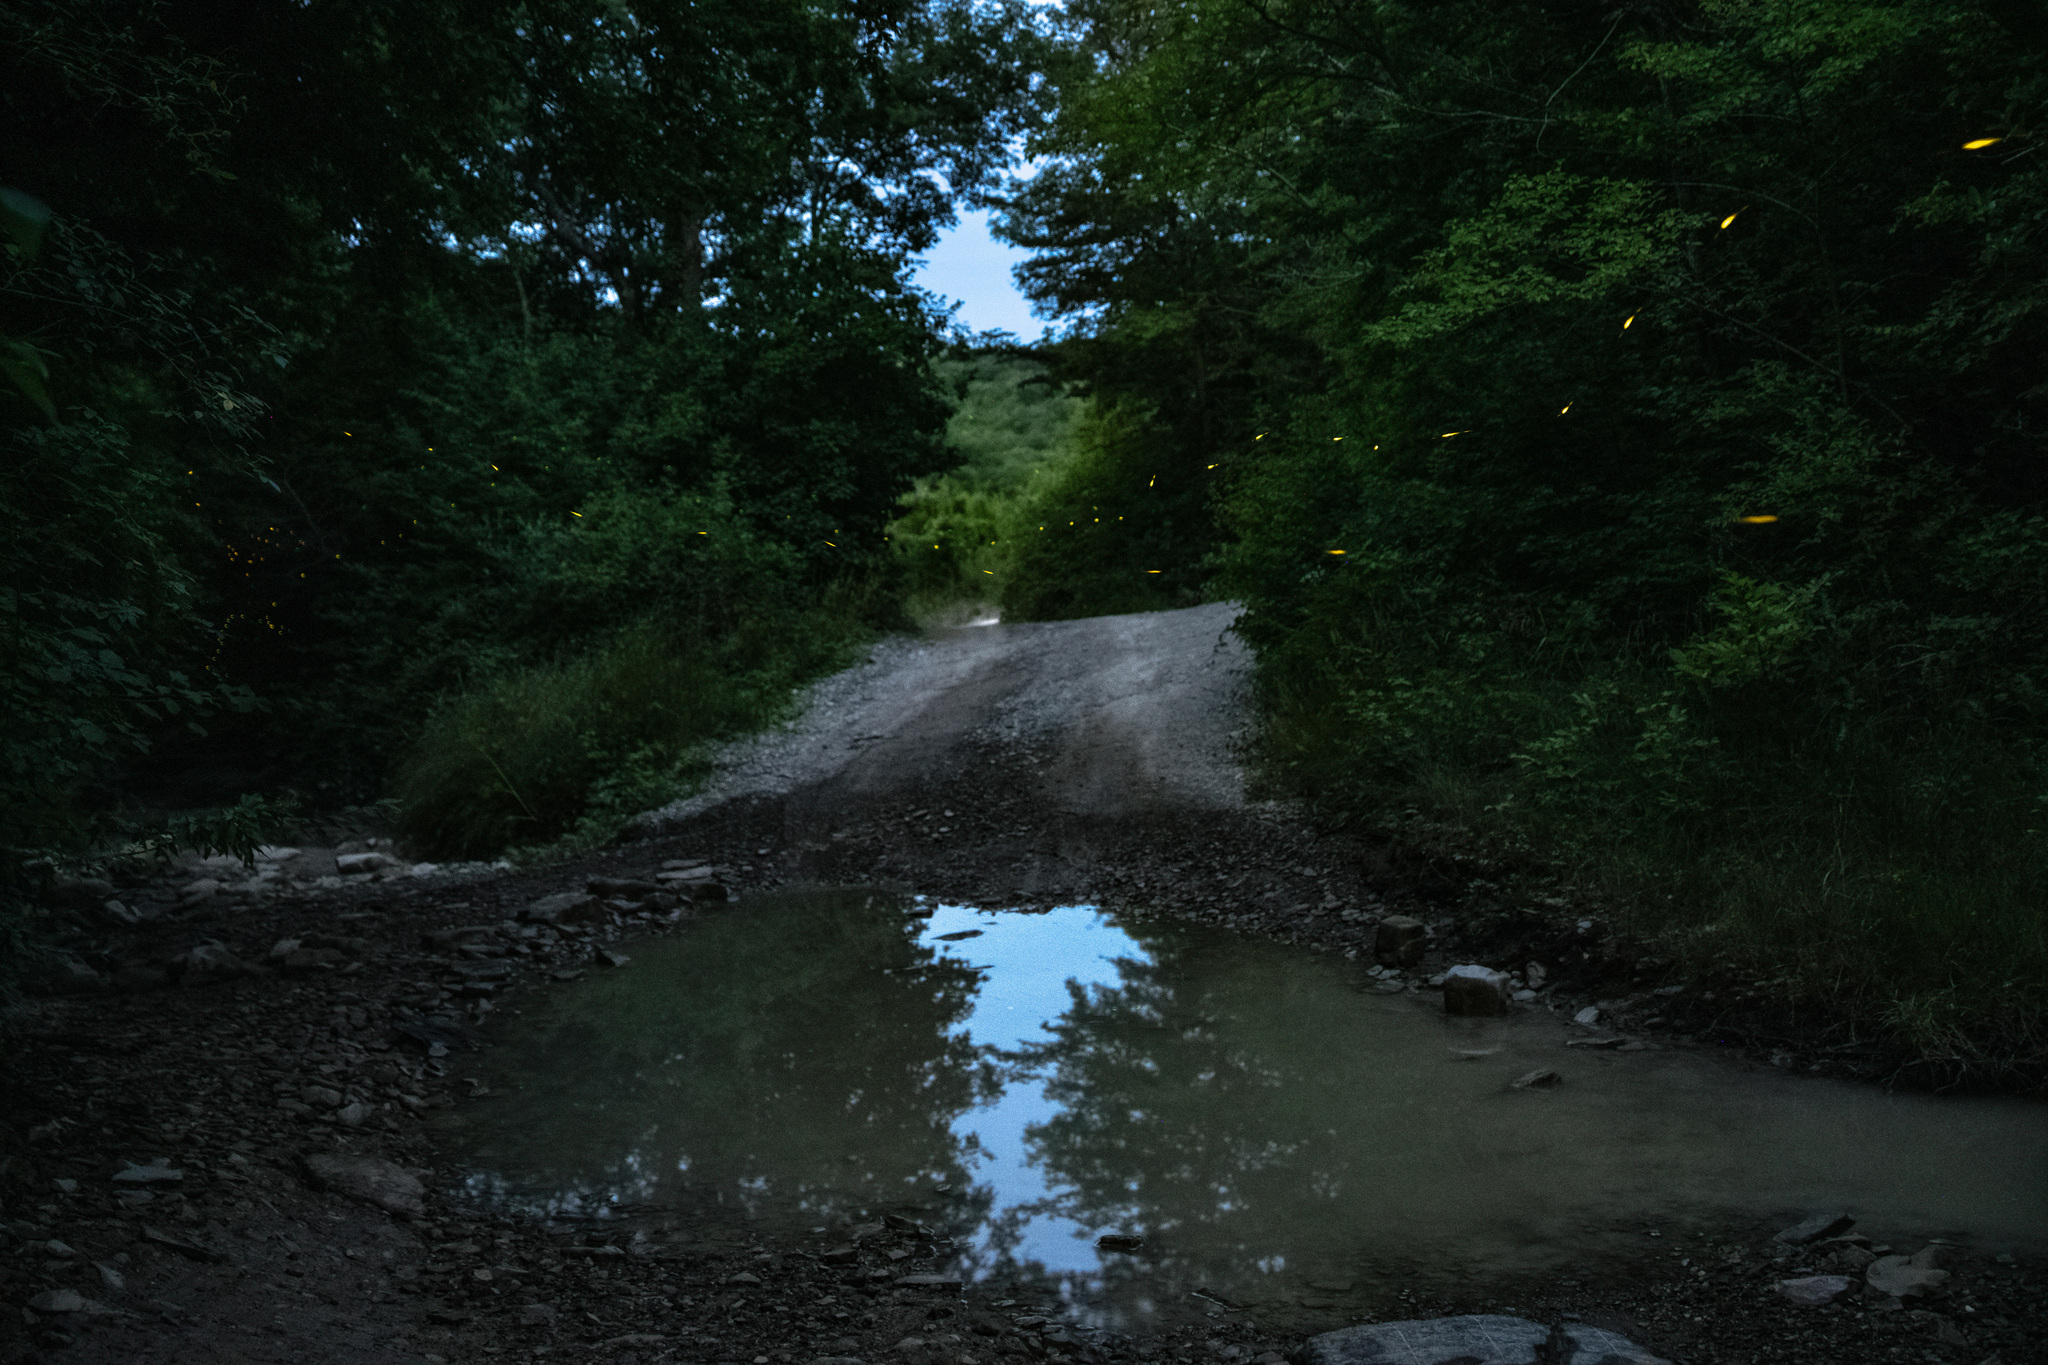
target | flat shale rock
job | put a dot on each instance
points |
(1474, 1339)
(366, 1178)
(1812, 1229)
(1814, 1290)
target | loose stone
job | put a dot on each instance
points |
(370, 1179)
(1818, 1226)
(1812, 1291)
(1900, 1278)
(1474, 990)
(1400, 941)
(1474, 1339)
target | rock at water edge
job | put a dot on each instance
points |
(369, 1179)
(564, 907)
(1471, 989)
(1474, 1339)
(1900, 1278)
(1818, 1226)
(1400, 941)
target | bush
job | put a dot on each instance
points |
(558, 756)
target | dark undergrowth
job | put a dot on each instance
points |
(1885, 878)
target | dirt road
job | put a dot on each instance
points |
(1097, 723)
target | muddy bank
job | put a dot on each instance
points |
(999, 788)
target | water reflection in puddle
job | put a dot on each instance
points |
(1273, 1130)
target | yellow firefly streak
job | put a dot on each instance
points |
(1625, 325)
(990, 572)
(1732, 217)
(1336, 552)
(575, 514)
(830, 543)
(1757, 521)
(1212, 466)
(1566, 408)
(1149, 482)
(1447, 435)
(1151, 571)
(1980, 143)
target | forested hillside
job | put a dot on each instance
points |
(474, 403)
(1625, 425)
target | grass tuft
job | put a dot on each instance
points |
(556, 758)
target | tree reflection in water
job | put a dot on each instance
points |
(797, 1054)
(1162, 1123)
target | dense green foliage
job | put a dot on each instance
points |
(1629, 429)
(378, 372)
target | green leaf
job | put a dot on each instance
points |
(24, 368)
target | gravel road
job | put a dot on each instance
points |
(1120, 714)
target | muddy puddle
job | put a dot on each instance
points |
(1279, 1133)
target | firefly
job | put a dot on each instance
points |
(1336, 552)
(573, 514)
(1151, 571)
(1212, 466)
(1732, 217)
(990, 572)
(1981, 143)
(1631, 319)
(1757, 521)
(830, 543)
(1566, 408)
(1149, 482)
(1449, 434)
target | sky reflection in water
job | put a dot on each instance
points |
(1257, 1113)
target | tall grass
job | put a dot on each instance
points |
(557, 757)
(1884, 875)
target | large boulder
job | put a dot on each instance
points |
(1474, 1339)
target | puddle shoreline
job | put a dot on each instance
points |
(1281, 1122)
